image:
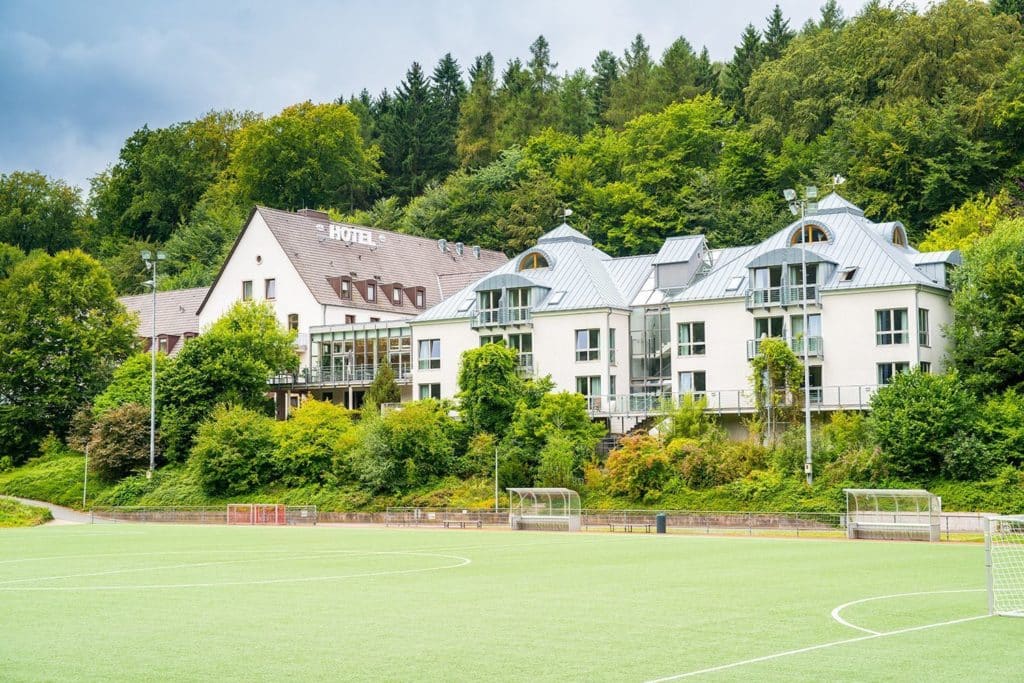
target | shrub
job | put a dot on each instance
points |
(479, 457)
(120, 442)
(638, 467)
(131, 383)
(861, 466)
(968, 458)
(558, 462)
(699, 469)
(1001, 425)
(740, 458)
(309, 442)
(233, 451)
(915, 421)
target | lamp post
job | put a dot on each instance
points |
(151, 259)
(799, 207)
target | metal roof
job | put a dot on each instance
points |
(856, 242)
(679, 249)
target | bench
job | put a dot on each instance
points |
(628, 526)
(461, 523)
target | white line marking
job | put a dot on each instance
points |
(844, 622)
(812, 648)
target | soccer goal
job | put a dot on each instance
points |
(270, 514)
(544, 509)
(892, 514)
(1004, 562)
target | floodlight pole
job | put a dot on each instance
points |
(808, 465)
(495, 478)
(85, 476)
(151, 260)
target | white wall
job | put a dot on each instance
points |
(456, 337)
(554, 348)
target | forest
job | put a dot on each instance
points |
(920, 110)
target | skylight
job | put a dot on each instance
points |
(556, 298)
(734, 282)
(846, 274)
(467, 304)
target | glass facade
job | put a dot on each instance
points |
(351, 355)
(650, 351)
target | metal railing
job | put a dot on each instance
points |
(496, 317)
(346, 374)
(815, 346)
(730, 401)
(767, 297)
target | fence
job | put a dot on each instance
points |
(959, 525)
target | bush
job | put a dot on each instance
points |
(740, 458)
(479, 457)
(233, 451)
(861, 466)
(131, 383)
(120, 442)
(917, 419)
(309, 442)
(968, 458)
(1001, 425)
(558, 461)
(638, 467)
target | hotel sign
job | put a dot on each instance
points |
(346, 233)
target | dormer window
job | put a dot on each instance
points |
(371, 291)
(345, 289)
(813, 233)
(533, 260)
(396, 294)
(899, 238)
(421, 300)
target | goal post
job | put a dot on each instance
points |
(893, 514)
(1004, 564)
(544, 509)
(273, 514)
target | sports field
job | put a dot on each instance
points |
(136, 602)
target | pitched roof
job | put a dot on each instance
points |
(587, 278)
(175, 312)
(391, 257)
(854, 242)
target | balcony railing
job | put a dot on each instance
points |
(733, 401)
(782, 296)
(347, 374)
(815, 347)
(524, 364)
(501, 316)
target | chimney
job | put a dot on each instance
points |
(313, 213)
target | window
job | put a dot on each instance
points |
(887, 370)
(533, 260)
(926, 367)
(466, 305)
(796, 282)
(430, 354)
(589, 386)
(349, 319)
(247, 290)
(396, 295)
(898, 238)
(556, 298)
(611, 345)
(691, 339)
(490, 306)
(611, 386)
(846, 274)
(814, 233)
(769, 327)
(814, 388)
(430, 391)
(519, 304)
(922, 326)
(421, 298)
(734, 283)
(293, 321)
(346, 288)
(162, 344)
(588, 344)
(270, 288)
(523, 343)
(374, 320)
(486, 339)
(891, 326)
(692, 383)
(767, 285)
(371, 291)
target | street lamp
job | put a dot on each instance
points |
(151, 260)
(800, 207)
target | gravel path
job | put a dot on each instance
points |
(61, 515)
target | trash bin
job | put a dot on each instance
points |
(660, 523)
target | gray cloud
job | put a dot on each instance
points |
(78, 78)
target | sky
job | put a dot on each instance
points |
(77, 78)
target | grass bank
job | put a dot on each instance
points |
(13, 514)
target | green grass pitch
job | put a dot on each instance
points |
(163, 603)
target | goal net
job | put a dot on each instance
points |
(544, 509)
(270, 514)
(893, 514)
(1004, 561)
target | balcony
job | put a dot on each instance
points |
(782, 296)
(501, 317)
(339, 376)
(814, 347)
(524, 364)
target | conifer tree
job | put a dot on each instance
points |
(707, 73)
(447, 91)
(576, 104)
(746, 57)
(606, 72)
(410, 137)
(777, 35)
(676, 76)
(475, 140)
(634, 93)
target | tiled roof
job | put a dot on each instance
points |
(394, 257)
(175, 313)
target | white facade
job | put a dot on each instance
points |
(874, 305)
